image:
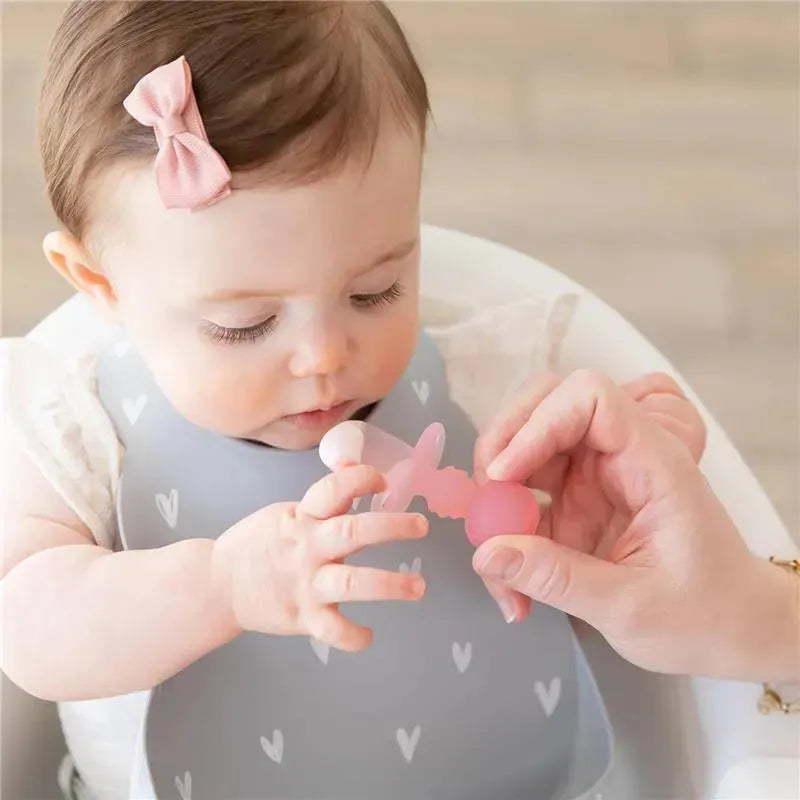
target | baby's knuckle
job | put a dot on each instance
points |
(287, 517)
(283, 551)
(348, 530)
(285, 558)
(348, 583)
(287, 510)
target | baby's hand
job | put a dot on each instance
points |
(664, 401)
(281, 568)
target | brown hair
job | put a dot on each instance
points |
(293, 88)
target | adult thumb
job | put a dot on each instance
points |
(575, 582)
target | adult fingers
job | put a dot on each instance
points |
(514, 606)
(679, 417)
(653, 383)
(577, 583)
(550, 478)
(511, 416)
(562, 420)
(589, 410)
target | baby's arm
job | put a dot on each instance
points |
(80, 621)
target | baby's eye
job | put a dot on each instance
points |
(394, 292)
(249, 334)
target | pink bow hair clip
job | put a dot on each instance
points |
(490, 509)
(190, 173)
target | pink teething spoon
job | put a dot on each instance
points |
(489, 509)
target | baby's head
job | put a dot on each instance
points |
(298, 290)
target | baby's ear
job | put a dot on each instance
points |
(71, 259)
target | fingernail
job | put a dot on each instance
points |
(381, 500)
(495, 470)
(503, 563)
(479, 474)
(422, 523)
(508, 609)
(418, 587)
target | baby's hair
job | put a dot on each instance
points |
(290, 89)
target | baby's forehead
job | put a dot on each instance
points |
(338, 221)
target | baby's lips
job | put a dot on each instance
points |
(500, 509)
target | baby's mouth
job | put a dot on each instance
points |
(317, 418)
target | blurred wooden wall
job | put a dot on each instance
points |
(649, 150)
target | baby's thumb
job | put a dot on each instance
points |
(577, 583)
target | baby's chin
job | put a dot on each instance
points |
(285, 438)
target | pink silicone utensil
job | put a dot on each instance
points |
(490, 509)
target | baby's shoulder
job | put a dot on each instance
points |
(50, 411)
(39, 385)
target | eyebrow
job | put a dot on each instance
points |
(222, 295)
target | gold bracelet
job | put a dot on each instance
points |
(770, 701)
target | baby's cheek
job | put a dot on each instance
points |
(390, 353)
(219, 395)
(239, 403)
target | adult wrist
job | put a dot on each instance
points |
(764, 643)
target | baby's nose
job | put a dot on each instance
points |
(319, 355)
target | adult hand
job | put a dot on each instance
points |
(634, 542)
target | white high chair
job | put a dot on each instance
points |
(690, 737)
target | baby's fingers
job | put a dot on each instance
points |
(342, 536)
(330, 626)
(342, 583)
(335, 493)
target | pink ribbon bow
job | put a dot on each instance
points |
(190, 173)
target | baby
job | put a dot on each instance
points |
(238, 185)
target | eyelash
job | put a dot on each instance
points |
(232, 335)
(387, 297)
(254, 332)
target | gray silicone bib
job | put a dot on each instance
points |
(450, 702)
